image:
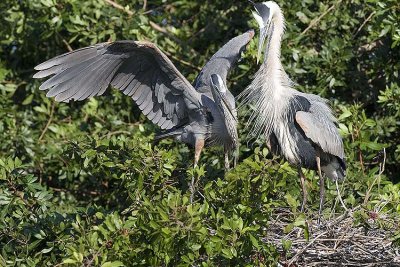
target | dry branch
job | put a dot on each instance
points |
(48, 122)
(364, 23)
(316, 20)
(158, 28)
(338, 242)
(118, 6)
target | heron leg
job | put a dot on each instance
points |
(303, 187)
(235, 160)
(198, 147)
(226, 152)
(321, 188)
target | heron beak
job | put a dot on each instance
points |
(219, 93)
(261, 41)
(262, 15)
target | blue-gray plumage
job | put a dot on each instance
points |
(298, 126)
(142, 71)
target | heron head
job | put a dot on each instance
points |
(227, 109)
(218, 84)
(219, 92)
(233, 50)
(264, 14)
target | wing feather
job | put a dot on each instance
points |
(158, 117)
(323, 133)
(139, 69)
(154, 111)
(131, 88)
(69, 59)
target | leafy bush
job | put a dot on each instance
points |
(83, 184)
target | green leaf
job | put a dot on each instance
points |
(112, 264)
(47, 250)
(27, 100)
(254, 241)
(344, 115)
(66, 261)
(291, 201)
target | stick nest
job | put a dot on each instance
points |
(343, 240)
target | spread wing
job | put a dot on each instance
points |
(321, 129)
(139, 69)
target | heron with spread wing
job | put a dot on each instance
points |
(296, 125)
(199, 115)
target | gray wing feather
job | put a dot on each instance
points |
(222, 61)
(138, 69)
(70, 58)
(319, 125)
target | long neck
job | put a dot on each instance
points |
(266, 91)
(273, 50)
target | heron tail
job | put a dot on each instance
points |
(336, 169)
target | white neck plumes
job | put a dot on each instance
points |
(265, 93)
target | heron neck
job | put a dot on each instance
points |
(273, 49)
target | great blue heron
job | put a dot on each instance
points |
(296, 125)
(196, 115)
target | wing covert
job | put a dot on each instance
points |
(324, 134)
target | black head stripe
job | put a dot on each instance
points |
(215, 80)
(263, 11)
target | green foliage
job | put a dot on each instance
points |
(83, 184)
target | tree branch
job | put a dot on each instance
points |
(363, 24)
(118, 6)
(48, 122)
(316, 20)
(158, 28)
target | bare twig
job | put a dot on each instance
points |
(340, 196)
(48, 122)
(304, 249)
(378, 177)
(69, 48)
(316, 20)
(144, 5)
(67, 45)
(158, 28)
(118, 6)
(183, 62)
(340, 242)
(154, 25)
(363, 24)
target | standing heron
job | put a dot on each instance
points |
(195, 115)
(298, 126)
